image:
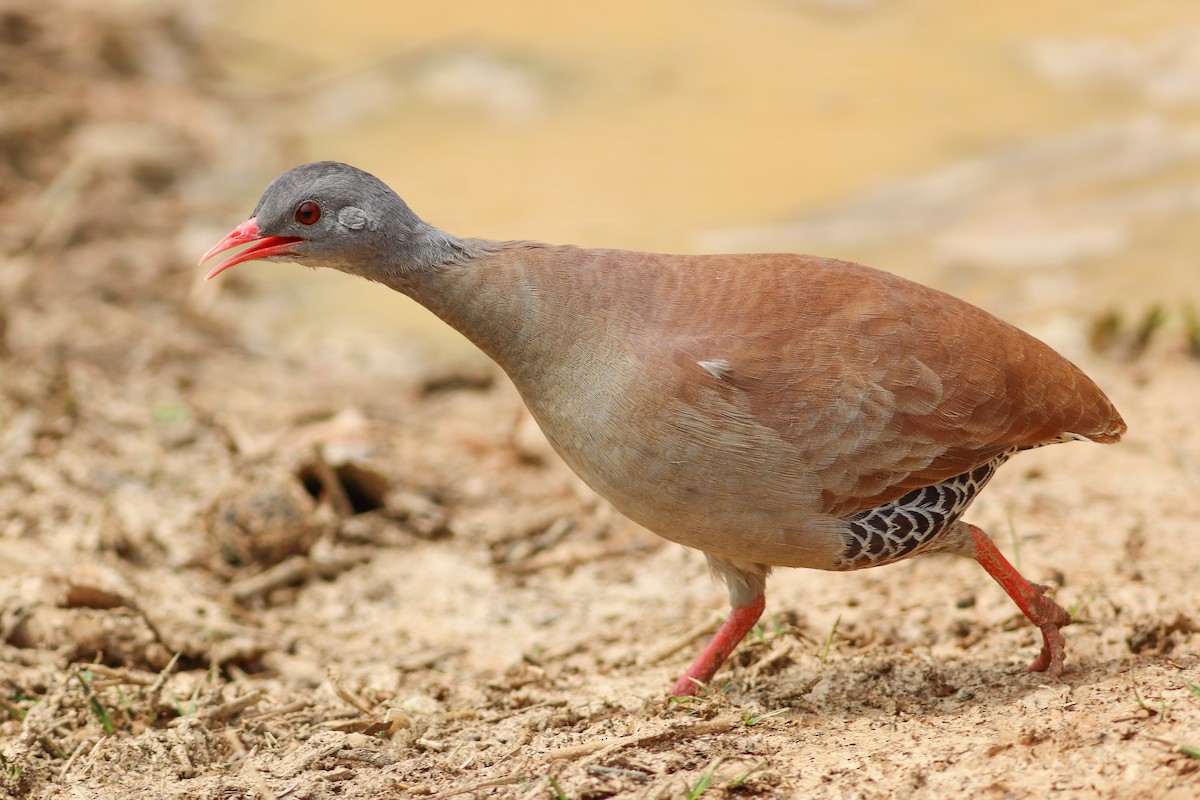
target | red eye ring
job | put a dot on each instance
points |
(308, 212)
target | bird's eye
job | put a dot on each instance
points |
(308, 212)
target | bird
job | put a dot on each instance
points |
(770, 410)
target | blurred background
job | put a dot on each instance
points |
(1039, 158)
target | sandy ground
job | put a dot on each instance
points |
(229, 574)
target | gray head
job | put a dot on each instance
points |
(329, 214)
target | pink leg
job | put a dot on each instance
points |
(1031, 599)
(740, 621)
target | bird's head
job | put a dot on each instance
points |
(328, 214)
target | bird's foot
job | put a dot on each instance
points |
(1033, 601)
(702, 670)
(1050, 660)
(1049, 616)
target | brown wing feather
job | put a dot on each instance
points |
(882, 385)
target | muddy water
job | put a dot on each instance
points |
(1041, 158)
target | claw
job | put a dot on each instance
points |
(1050, 617)
(1050, 660)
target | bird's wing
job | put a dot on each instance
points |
(879, 385)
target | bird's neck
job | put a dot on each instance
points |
(529, 306)
(481, 288)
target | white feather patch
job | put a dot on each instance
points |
(717, 367)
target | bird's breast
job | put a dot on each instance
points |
(690, 465)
